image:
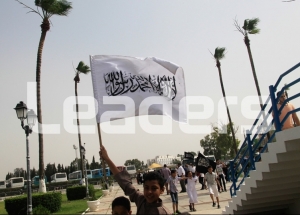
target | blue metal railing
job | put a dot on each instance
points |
(245, 159)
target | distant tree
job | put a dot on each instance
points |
(59, 168)
(93, 164)
(33, 172)
(25, 175)
(175, 161)
(9, 175)
(180, 156)
(219, 143)
(18, 172)
(194, 153)
(137, 163)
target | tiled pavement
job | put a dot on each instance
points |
(203, 207)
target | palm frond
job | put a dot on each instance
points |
(82, 68)
(254, 31)
(62, 8)
(31, 9)
(219, 53)
(252, 24)
(54, 7)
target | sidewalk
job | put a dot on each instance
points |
(203, 207)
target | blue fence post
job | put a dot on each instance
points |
(274, 108)
(251, 157)
(233, 179)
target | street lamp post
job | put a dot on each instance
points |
(22, 114)
(82, 149)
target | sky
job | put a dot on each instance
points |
(183, 32)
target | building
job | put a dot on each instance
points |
(162, 159)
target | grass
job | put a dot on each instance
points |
(2, 208)
(67, 207)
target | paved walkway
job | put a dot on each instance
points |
(203, 207)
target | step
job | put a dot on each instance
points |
(282, 203)
(287, 135)
(274, 198)
(272, 210)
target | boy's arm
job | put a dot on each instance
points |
(103, 154)
(123, 178)
(296, 119)
(217, 181)
(204, 182)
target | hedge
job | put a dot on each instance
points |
(79, 192)
(18, 205)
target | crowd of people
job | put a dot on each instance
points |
(157, 182)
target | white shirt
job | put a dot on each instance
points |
(219, 169)
(191, 183)
(180, 171)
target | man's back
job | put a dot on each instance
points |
(166, 172)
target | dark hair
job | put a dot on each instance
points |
(165, 165)
(152, 176)
(173, 171)
(209, 167)
(187, 173)
(121, 201)
(280, 94)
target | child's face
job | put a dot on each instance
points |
(210, 170)
(152, 191)
(120, 210)
(174, 174)
(190, 174)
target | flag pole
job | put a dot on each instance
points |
(102, 161)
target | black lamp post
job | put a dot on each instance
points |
(22, 114)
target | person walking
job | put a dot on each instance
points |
(191, 189)
(181, 173)
(212, 181)
(172, 181)
(220, 175)
(166, 174)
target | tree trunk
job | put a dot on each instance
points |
(45, 26)
(247, 42)
(76, 79)
(228, 113)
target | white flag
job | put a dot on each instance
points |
(129, 86)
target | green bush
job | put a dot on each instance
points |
(92, 192)
(40, 210)
(79, 192)
(76, 192)
(18, 205)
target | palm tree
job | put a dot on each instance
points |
(250, 27)
(48, 9)
(219, 55)
(81, 68)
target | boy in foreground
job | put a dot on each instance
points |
(212, 181)
(121, 206)
(147, 202)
